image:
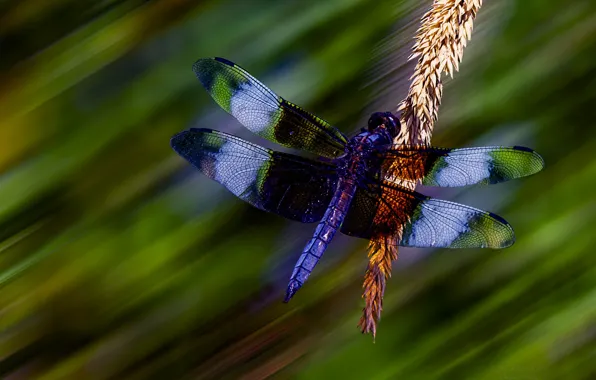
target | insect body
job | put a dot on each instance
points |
(357, 189)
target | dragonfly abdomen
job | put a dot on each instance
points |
(325, 231)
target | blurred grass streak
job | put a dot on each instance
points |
(117, 260)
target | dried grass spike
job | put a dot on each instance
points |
(439, 47)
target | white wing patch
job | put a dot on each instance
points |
(225, 169)
(243, 107)
(431, 230)
(475, 171)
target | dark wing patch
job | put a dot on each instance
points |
(265, 113)
(291, 186)
(459, 167)
(411, 219)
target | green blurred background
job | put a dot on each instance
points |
(118, 260)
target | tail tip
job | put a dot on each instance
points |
(293, 287)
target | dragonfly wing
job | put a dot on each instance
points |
(265, 113)
(414, 220)
(460, 167)
(291, 186)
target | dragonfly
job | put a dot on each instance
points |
(360, 186)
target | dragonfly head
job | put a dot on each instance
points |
(385, 120)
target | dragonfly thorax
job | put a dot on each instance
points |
(362, 150)
(371, 139)
(382, 128)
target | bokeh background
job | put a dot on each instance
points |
(118, 260)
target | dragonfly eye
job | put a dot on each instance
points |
(392, 124)
(376, 120)
(384, 118)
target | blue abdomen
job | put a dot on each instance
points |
(325, 231)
